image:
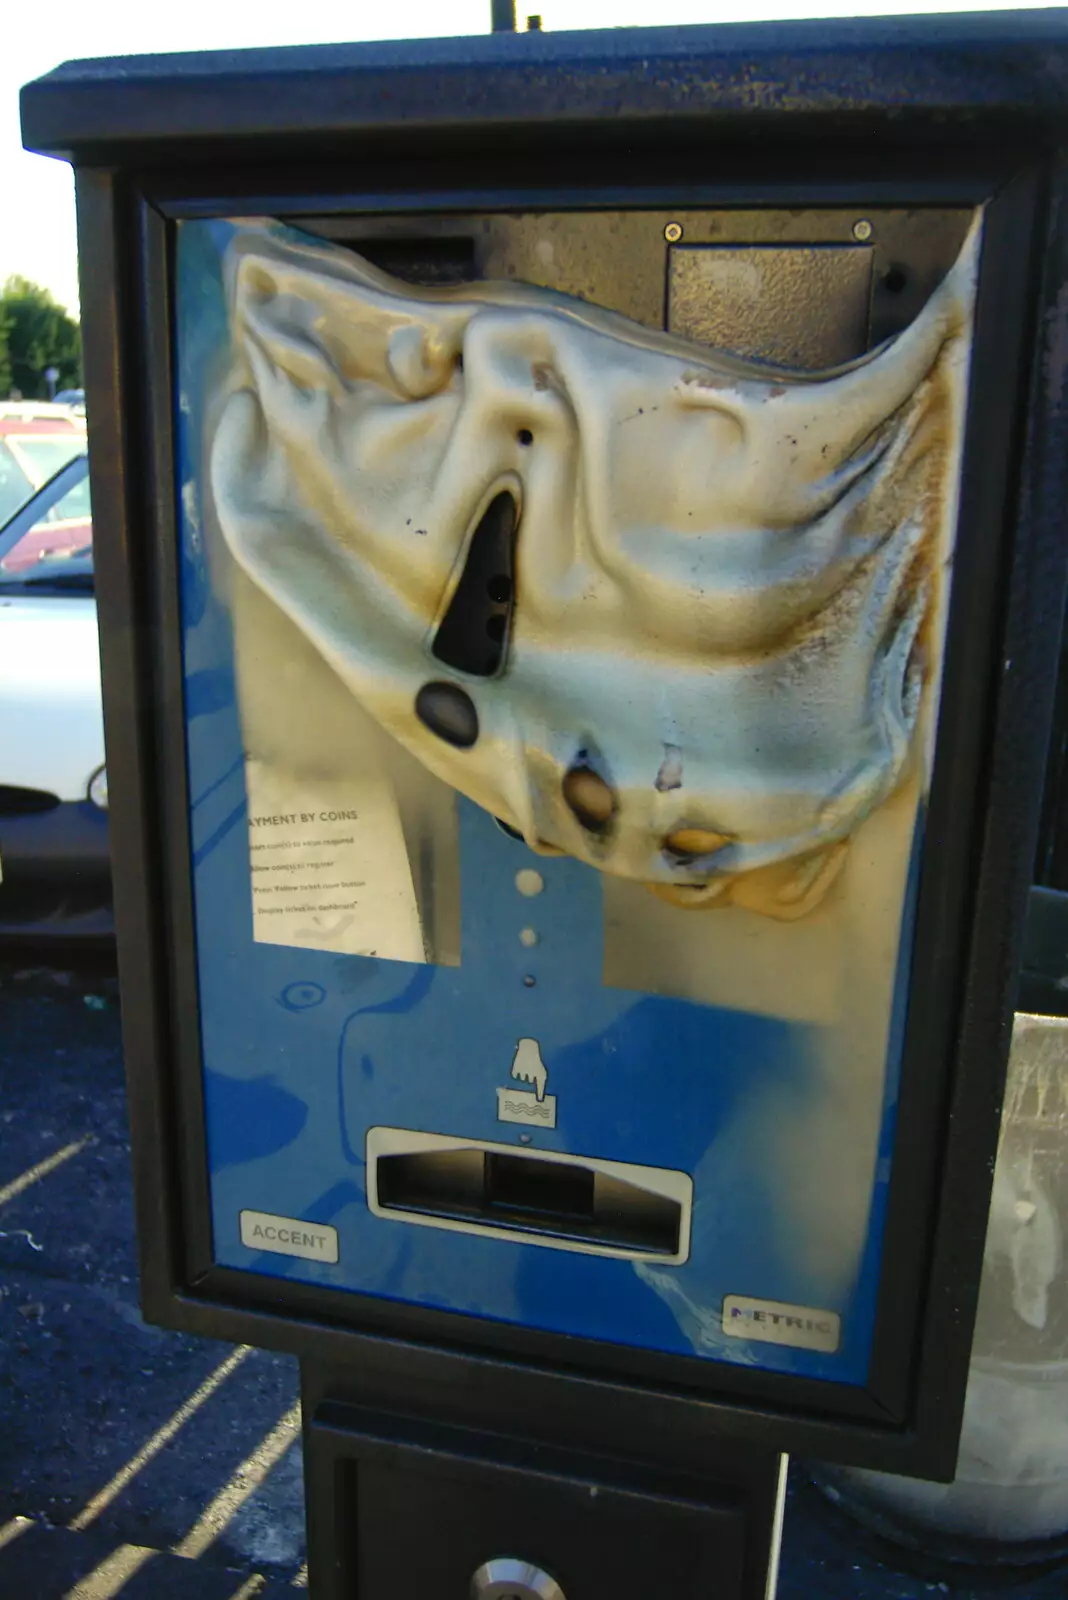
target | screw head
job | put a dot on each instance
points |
(673, 232)
(862, 230)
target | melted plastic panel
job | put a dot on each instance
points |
(752, 1045)
(715, 655)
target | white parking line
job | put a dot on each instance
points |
(110, 1576)
(161, 1437)
(250, 1587)
(42, 1169)
(245, 1481)
(113, 1573)
(11, 1530)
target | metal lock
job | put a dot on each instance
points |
(505, 1578)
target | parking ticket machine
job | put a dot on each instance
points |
(581, 548)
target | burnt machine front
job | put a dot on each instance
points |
(564, 611)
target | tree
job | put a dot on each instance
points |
(5, 359)
(35, 334)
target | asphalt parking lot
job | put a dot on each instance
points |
(146, 1464)
(132, 1453)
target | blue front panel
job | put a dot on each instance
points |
(304, 1050)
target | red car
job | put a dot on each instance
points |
(36, 439)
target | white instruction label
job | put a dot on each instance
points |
(289, 1236)
(329, 866)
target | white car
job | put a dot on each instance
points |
(54, 870)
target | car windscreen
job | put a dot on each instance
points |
(47, 452)
(54, 548)
(15, 486)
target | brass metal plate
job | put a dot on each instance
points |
(793, 305)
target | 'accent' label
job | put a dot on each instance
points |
(289, 1236)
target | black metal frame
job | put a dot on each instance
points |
(963, 132)
(348, 1432)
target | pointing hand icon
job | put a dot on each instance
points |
(528, 1067)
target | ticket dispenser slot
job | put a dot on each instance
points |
(570, 1202)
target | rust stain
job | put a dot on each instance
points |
(696, 841)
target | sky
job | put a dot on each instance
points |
(37, 228)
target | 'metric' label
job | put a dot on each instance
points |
(775, 1323)
(288, 1236)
